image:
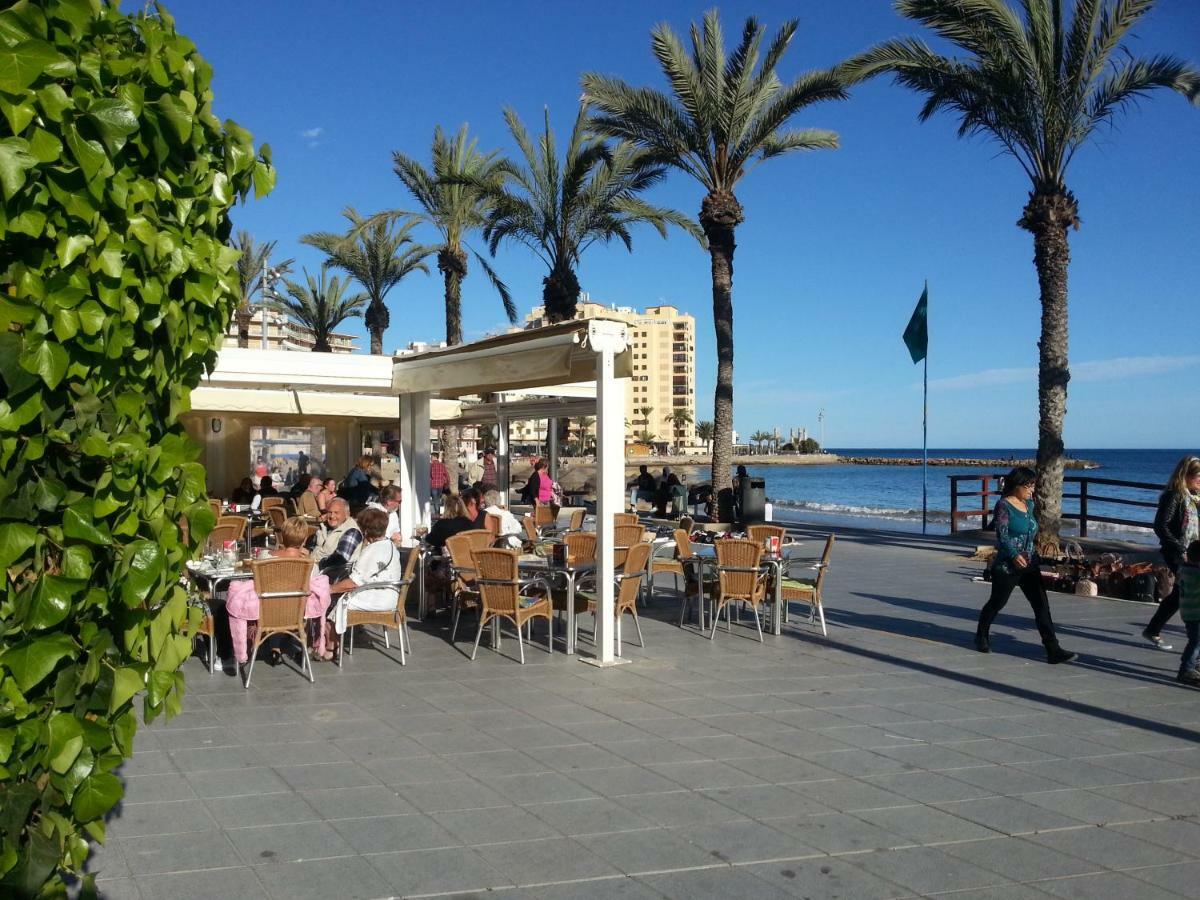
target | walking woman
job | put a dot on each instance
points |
(1016, 564)
(1177, 524)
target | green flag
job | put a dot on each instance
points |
(916, 335)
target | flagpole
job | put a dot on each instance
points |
(925, 433)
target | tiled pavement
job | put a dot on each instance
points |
(885, 761)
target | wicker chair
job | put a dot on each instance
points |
(269, 502)
(389, 618)
(282, 588)
(215, 506)
(222, 533)
(628, 587)
(531, 533)
(575, 523)
(277, 515)
(761, 533)
(237, 523)
(581, 548)
(679, 565)
(624, 537)
(740, 579)
(808, 591)
(626, 518)
(544, 517)
(491, 524)
(462, 547)
(504, 596)
(205, 628)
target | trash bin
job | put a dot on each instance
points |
(753, 501)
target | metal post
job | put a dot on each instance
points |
(985, 496)
(953, 504)
(552, 448)
(503, 468)
(1083, 510)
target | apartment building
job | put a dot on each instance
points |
(283, 333)
(663, 344)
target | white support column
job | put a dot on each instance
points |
(607, 339)
(552, 447)
(503, 469)
(419, 413)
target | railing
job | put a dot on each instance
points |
(1086, 495)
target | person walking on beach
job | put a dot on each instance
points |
(1017, 564)
(1177, 524)
(1188, 588)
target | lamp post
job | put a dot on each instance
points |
(270, 275)
(821, 422)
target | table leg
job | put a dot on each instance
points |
(420, 585)
(570, 641)
(777, 613)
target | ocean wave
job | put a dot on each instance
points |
(873, 512)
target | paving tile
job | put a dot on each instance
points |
(929, 787)
(1109, 886)
(839, 833)
(826, 879)
(438, 796)
(760, 801)
(234, 783)
(746, 842)
(157, 854)
(850, 794)
(924, 869)
(294, 842)
(382, 834)
(329, 775)
(236, 882)
(166, 817)
(1108, 847)
(159, 788)
(578, 758)
(350, 877)
(544, 787)
(543, 861)
(583, 817)
(119, 889)
(926, 825)
(106, 860)
(1009, 815)
(1088, 806)
(654, 850)
(622, 781)
(496, 825)
(205, 759)
(617, 887)
(356, 803)
(710, 884)
(1180, 878)
(1015, 857)
(679, 808)
(1182, 835)
(271, 809)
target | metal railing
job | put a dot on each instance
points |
(991, 489)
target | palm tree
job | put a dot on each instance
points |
(704, 432)
(585, 423)
(1039, 85)
(378, 256)
(560, 208)
(454, 198)
(253, 262)
(679, 418)
(760, 438)
(320, 305)
(722, 118)
(645, 413)
(646, 437)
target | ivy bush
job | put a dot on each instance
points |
(116, 285)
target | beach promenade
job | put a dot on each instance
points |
(888, 760)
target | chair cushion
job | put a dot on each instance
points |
(526, 602)
(797, 584)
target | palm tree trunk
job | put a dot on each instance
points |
(242, 317)
(720, 214)
(377, 319)
(1047, 216)
(452, 263)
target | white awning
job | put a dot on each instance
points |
(250, 368)
(308, 404)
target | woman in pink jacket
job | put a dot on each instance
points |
(242, 602)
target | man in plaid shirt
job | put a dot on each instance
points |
(439, 481)
(337, 541)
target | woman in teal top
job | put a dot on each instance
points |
(1017, 564)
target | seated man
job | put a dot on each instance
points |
(266, 487)
(389, 504)
(337, 542)
(243, 494)
(646, 486)
(306, 502)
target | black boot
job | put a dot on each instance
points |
(981, 642)
(1056, 654)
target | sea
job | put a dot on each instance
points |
(889, 497)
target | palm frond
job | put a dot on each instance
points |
(510, 308)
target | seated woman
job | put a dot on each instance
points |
(242, 603)
(243, 493)
(379, 560)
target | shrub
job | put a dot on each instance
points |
(117, 284)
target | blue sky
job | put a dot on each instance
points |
(836, 244)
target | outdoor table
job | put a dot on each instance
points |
(216, 580)
(569, 573)
(706, 555)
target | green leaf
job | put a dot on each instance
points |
(46, 359)
(15, 419)
(144, 566)
(177, 116)
(18, 113)
(78, 524)
(114, 120)
(66, 324)
(32, 660)
(54, 101)
(70, 246)
(126, 683)
(45, 147)
(15, 539)
(64, 742)
(15, 161)
(77, 562)
(264, 179)
(52, 601)
(91, 317)
(89, 154)
(97, 795)
(20, 66)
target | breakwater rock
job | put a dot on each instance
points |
(959, 462)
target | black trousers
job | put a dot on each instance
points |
(1030, 582)
(1169, 605)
